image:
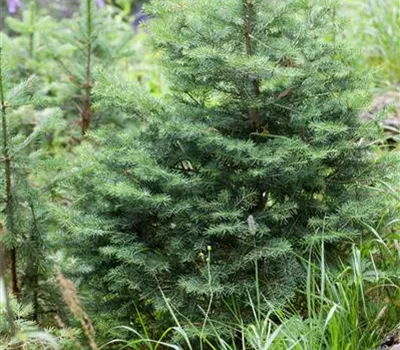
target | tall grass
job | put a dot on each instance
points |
(374, 28)
(344, 310)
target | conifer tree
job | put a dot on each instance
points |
(65, 55)
(5, 309)
(257, 154)
(8, 195)
(21, 239)
(97, 39)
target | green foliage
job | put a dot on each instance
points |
(42, 119)
(21, 215)
(96, 39)
(57, 53)
(27, 336)
(219, 216)
(374, 26)
(257, 153)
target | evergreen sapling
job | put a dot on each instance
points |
(22, 238)
(97, 38)
(4, 300)
(258, 153)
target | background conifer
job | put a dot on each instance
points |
(22, 237)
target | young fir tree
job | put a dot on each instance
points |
(257, 153)
(28, 35)
(5, 251)
(95, 38)
(65, 54)
(21, 236)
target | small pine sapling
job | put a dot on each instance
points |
(66, 55)
(98, 39)
(8, 195)
(22, 239)
(261, 126)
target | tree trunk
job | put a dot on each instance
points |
(3, 264)
(254, 113)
